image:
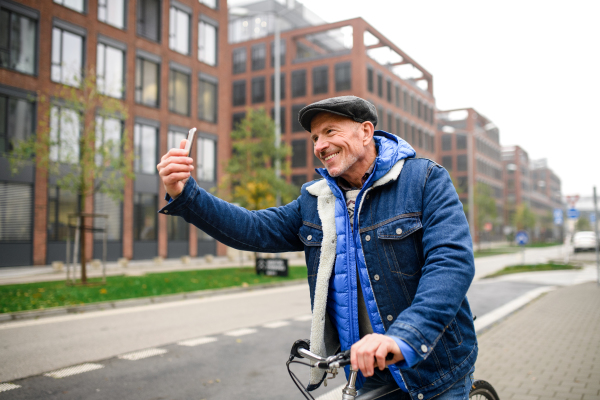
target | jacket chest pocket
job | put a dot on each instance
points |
(312, 239)
(401, 240)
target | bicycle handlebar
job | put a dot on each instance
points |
(301, 349)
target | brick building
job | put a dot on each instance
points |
(469, 148)
(517, 179)
(168, 62)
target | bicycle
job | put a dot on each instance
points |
(481, 390)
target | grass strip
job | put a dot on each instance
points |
(41, 295)
(515, 269)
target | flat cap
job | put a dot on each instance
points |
(360, 110)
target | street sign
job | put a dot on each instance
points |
(592, 218)
(558, 216)
(573, 213)
(522, 238)
(272, 266)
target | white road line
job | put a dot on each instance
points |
(241, 332)
(138, 355)
(335, 394)
(197, 341)
(276, 324)
(74, 370)
(501, 312)
(307, 317)
(5, 387)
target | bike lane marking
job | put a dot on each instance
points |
(73, 370)
(241, 332)
(197, 341)
(5, 387)
(276, 324)
(139, 355)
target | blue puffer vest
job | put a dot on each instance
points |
(411, 244)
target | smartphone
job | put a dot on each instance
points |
(190, 141)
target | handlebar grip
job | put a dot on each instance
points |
(300, 344)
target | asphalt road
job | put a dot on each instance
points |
(243, 342)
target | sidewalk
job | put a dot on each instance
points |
(548, 350)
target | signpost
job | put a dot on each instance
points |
(522, 238)
(272, 266)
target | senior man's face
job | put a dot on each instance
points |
(338, 142)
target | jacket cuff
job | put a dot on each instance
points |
(410, 357)
(175, 204)
(420, 346)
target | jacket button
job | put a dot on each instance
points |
(420, 396)
(389, 318)
(424, 348)
(309, 237)
(398, 231)
(367, 238)
(376, 277)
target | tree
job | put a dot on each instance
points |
(250, 179)
(583, 224)
(485, 205)
(524, 219)
(80, 143)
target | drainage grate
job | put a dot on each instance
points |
(197, 341)
(5, 387)
(74, 370)
(138, 355)
(276, 324)
(241, 332)
(307, 317)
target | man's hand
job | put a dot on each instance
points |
(174, 169)
(371, 350)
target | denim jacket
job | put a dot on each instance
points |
(412, 247)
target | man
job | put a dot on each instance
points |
(387, 246)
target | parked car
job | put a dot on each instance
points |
(584, 240)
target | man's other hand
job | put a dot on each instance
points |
(175, 169)
(371, 351)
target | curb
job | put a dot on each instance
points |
(143, 301)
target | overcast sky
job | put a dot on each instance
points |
(532, 67)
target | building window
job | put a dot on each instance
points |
(239, 60)
(67, 57)
(179, 92)
(296, 127)
(64, 135)
(17, 121)
(390, 124)
(281, 87)
(388, 90)
(108, 138)
(421, 141)
(104, 204)
(207, 99)
(370, 86)
(258, 90)
(317, 163)
(405, 102)
(446, 142)
(174, 139)
(447, 162)
(206, 152)
(259, 56)
(343, 76)
(239, 93)
(178, 229)
(461, 162)
(299, 83)
(144, 216)
(299, 180)
(379, 85)
(147, 82)
(381, 118)
(298, 153)
(209, 3)
(399, 128)
(236, 119)
(179, 30)
(145, 141)
(320, 78)
(207, 43)
(112, 12)
(110, 63)
(461, 142)
(407, 135)
(61, 203)
(397, 97)
(16, 212)
(148, 19)
(282, 51)
(419, 109)
(413, 105)
(17, 42)
(281, 118)
(77, 5)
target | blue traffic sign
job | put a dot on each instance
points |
(592, 218)
(558, 216)
(573, 213)
(522, 238)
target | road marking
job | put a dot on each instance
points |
(335, 394)
(241, 332)
(307, 317)
(501, 312)
(276, 324)
(197, 341)
(138, 355)
(74, 370)
(5, 387)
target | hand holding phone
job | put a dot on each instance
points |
(190, 141)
